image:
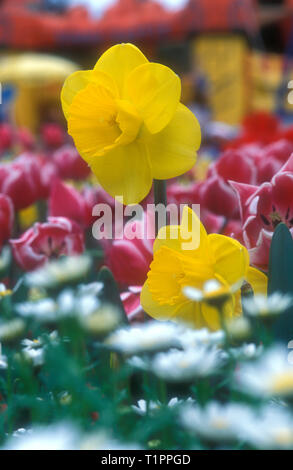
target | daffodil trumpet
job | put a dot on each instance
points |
(192, 270)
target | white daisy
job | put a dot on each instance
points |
(184, 366)
(69, 302)
(101, 440)
(271, 429)
(63, 436)
(3, 359)
(34, 350)
(270, 375)
(11, 329)
(247, 351)
(62, 271)
(43, 309)
(142, 405)
(148, 337)
(265, 306)
(190, 338)
(216, 422)
(102, 321)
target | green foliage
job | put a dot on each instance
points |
(110, 293)
(281, 277)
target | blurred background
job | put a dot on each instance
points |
(234, 56)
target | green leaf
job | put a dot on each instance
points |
(281, 277)
(110, 293)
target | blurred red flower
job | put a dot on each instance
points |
(53, 135)
(259, 127)
(66, 201)
(58, 236)
(129, 259)
(26, 179)
(131, 303)
(6, 218)
(262, 209)
(6, 137)
(25, 139)
(70, 164)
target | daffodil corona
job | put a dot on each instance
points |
(128, 124)
(175, 269)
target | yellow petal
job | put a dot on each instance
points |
(257, 280)
(92, 121)
(129, 122)
(77, 81)
(124, 171)
(212, 317)
(185, 311)
(231, 259)
(189, 237)
(173, 151)
(119, 61)
(164, 276)
(155, 91)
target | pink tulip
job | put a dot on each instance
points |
(129, 259)
(6, 137)
(6, 218)
(131, 303)
(70, 164)
(58, 236)
(25, 139)
(21, 181)
(262, 209)
(53, 135)
(66, 201)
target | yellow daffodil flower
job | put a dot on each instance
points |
(128, 124)
(216, 258)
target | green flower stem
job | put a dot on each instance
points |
(163, 392)
(160, 197)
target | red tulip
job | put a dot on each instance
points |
(66, 201)
(25, 139)
(6, 137)
(178, 193)
(263, 208)
(267, 167)
(129, 259)
(280, 149)
(48, 175)
(259, 127)
(53, 135)
(20, 180)
(236, 165)
(218, 197)
(70, 164)
(6, 218)
(58, 236)
(26, 179)
(131, 303)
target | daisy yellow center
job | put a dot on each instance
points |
(283, 383)
(5, 293)
(219, 423)
(284, 436)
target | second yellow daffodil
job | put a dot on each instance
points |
(213, 260)
(128, 124)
